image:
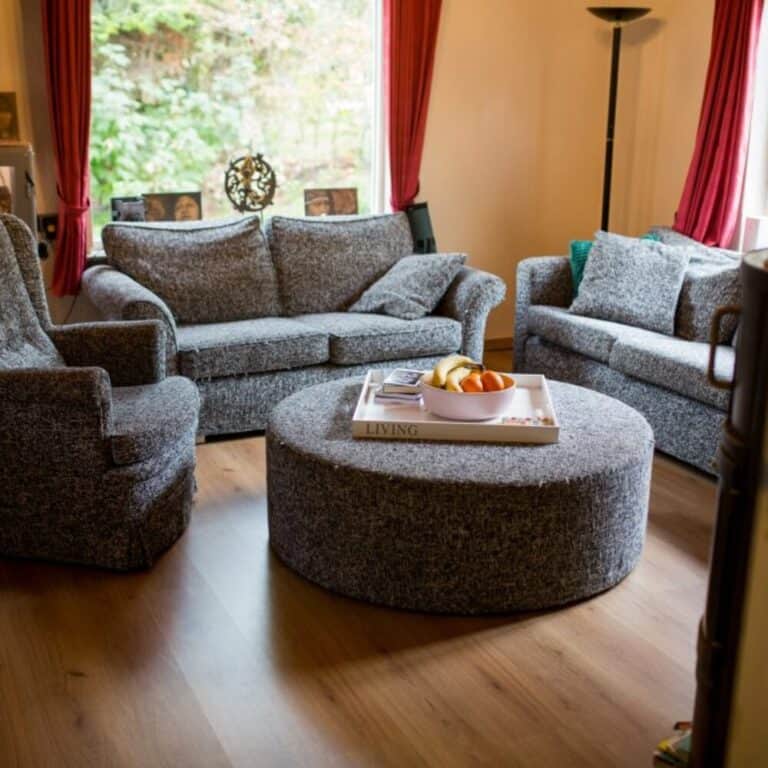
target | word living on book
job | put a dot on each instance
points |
(379, 429)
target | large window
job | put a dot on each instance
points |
(179, 88)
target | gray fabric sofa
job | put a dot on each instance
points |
(663, 377)
(248, 348)
(97, 446)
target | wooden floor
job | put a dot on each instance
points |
(220, 656)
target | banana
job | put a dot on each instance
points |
(455, 377)
(447, 364)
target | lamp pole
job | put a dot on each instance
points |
(617, 15)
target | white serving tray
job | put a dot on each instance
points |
(531, 418)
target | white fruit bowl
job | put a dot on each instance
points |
(465, 406)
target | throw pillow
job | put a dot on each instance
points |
(206, 272)
(413, 287)
(580, 252)
(631, 281)
(325, 263)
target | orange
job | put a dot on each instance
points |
(492, 381)
(508, 381)
(472, 383)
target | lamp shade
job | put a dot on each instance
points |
(618, 14)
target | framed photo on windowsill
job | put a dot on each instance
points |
(330, 202)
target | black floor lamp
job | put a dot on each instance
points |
(618, 16)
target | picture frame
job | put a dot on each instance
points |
(127, 208)
(9, 117)
(173, 206)
(336, 201)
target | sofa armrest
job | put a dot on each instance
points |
(132, 352)
(118, 296)
(470, 299)
(540, 280)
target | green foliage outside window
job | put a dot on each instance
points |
(180, 87)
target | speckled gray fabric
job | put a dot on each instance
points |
(145, 419)
(707, 286)
(587, 335)
(62, 494)
(25, 248)
(632, 281)
(119, 297)
(132, 353)
(206, 272)
(709, 253)
(458, 528)
(675, 364)
(413, 287)
(540, 280)
(249, 346)
(469, 300)
(684, 428)
(243, 403)
(360, 338)
(23, 342)
(325, 264)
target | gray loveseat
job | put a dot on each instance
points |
(663, 377)
(254, 316)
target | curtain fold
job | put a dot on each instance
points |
(410, 35)
(709, 207)
(67, 45)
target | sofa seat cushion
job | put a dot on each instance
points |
(363, 338)
(675, 364)
(147, 420)
(586, 335)
(325, 263)
(249, 346)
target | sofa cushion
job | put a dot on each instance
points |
(146, 420)
(586, 335)
(676, 364)
(23, 342)
(206, 272)
(361, 338)
(325, 264)
(412, 287)
(631, 281)
(249, 346)
(707, 286)
(709, 253)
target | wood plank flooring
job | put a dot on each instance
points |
(221, 656)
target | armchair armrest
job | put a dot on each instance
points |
(119, 297)
(470, 299)
(132, 353)
(540, 280)
(53, 424)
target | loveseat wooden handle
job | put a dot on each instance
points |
(714, 335)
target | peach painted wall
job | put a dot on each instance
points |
(513, 155)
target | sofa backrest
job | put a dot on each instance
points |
(206, 272)
(23, 341)
(325, 264)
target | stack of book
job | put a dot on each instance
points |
(676, 750)
(401, 385)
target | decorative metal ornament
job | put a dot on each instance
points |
(250, 183)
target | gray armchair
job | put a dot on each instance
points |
(97, 444)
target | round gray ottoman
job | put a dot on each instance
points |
(458, 527)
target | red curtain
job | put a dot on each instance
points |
(67, 43)
(709, 207)
(410, 34)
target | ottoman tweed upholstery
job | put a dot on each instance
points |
(458, 528)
